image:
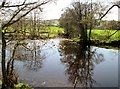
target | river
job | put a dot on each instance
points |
(63, 63)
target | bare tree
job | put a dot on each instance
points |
(17, 12)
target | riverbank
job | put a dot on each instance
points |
(18, 86)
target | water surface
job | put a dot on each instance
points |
(62, 63)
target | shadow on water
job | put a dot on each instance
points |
(78, 60)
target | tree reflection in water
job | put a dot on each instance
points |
(32, 55)
(79, 61)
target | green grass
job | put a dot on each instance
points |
(45, 32)
(52, 31)
(55, 31)
(102, 35)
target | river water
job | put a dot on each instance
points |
(63, 63)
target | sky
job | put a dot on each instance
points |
(54, 10)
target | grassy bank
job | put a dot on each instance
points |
(44, 32)
(52, 31)
(102, 35)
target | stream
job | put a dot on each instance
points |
(63, 63)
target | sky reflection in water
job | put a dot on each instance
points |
(62, 63)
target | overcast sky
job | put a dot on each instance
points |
(54, 11)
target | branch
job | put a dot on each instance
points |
(112, 34)
(12, 57)
(26, 47)
(6, 25)
(18, 5)
(11, 32)
(109, 10)
(3, 3)
(25, 14)
(10, 23)
(9, 40)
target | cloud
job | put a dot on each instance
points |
(119, 14)
(113, 15)
(54, 11)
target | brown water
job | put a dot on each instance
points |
(62, 63)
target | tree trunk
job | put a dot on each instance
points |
(83, 33)
(90, 33)
(4, 78)
(90, 24)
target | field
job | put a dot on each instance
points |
(103, 35)
(51, 31)
(55, 31)
(44, 32)
(96, 34)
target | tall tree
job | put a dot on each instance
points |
(14, 13)
(83, 16)
(80, 17)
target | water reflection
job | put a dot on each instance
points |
(63, 63)
(79, 61)
(31, 55)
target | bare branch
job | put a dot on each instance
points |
(10, 23)
(112, 34)
(6, 25)
(3, 3)
(19, 5)
(24, 2)
(109, 10)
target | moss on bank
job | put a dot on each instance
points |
(19, 86)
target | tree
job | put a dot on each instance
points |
(17, 12)
(80, 17)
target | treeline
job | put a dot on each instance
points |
(32, 27)
(109, 25)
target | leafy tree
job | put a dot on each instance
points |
(80, 17)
